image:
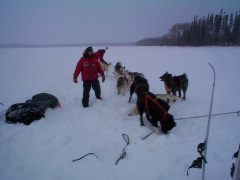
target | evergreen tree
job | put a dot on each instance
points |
(220, 29)
(235, 31)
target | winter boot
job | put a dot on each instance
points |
(85, 102)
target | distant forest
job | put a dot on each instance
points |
(214, 30)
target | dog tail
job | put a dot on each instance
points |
(185, 76)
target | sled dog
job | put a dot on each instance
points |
(122, 85)
(137, 80)
(175, 83)
(156, 110)
(118, 70)
(117, 67)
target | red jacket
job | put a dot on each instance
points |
(99, 55)
(89, 68)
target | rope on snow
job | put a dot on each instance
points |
(236, 112)
(126, 138)
(85, 156)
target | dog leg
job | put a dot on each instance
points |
(132, 88)
(141, 120)
(130, 98)
(179, 93)
(174, 93)
(156, 130)
(167, 90)
(148, 117)
(124, 91)
(141, 117)
(184, 95)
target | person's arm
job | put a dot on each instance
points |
(100, 56)
(77, 71)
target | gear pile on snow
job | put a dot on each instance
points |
(31, 110)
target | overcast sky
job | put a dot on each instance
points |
(94, 21)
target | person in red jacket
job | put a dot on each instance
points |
(89, 67)
(99, 54)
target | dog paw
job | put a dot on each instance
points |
(156, 130)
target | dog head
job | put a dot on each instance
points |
(167, 79)
(118, 65)
(168, 123)
(140, 79)
(165, 76)
(141, 89)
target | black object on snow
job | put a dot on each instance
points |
(31, 110)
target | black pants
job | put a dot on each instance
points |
(86, 91)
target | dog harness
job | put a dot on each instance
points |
(157, 103)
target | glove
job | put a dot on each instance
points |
(75, 80)
(103, 78)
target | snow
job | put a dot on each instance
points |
(45, 149)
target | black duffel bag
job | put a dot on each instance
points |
(31, 110)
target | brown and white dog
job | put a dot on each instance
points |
(117, 67)
(156, 110)
(175, 83)
(105, 67)
(122, 84)
(118, 70)
(131, 75)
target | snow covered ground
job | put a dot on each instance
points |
(45, 148)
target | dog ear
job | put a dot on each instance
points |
(168, 73)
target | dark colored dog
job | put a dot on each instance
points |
(156, 109)
(175, 83)
(137, 80)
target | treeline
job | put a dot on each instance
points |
(219, 30)
(64, 45)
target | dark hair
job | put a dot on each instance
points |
(102, 51)
(85, 53)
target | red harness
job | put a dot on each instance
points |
(157, 103)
